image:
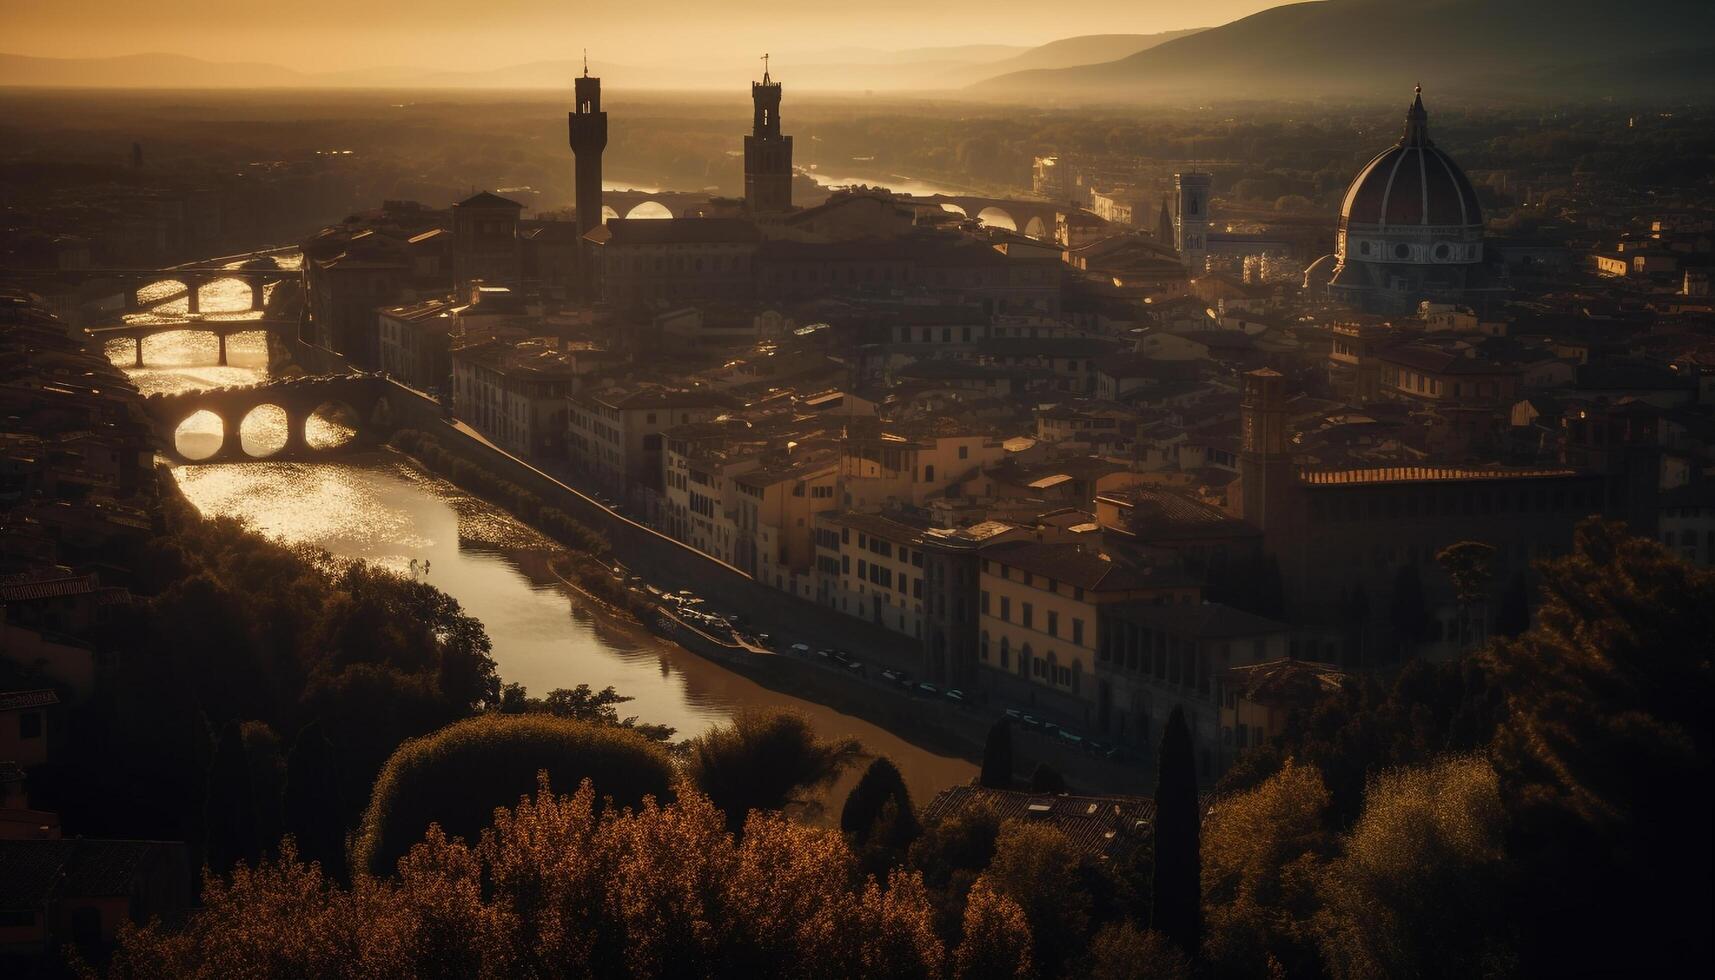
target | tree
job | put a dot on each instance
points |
(997, 756)
(1469, 565)
(1604, 758)
(458, 776)
(1036, 866)
(311, 808)
(583, 704)
(1263, 853)
(1408, 613)
(563, 886)
(267, 780)
(996, 940)
(1419, 889)
(1046, 779)
(1122, 951)
(879, 809)
(230, 804)
(762, 759)
(1176, 906)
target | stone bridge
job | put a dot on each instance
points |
(1035, 219)
(678, 204)
(222, 329)
(316, 412)
(257, 269)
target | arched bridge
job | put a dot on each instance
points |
(1033, 218)
(259, 270)
(320, 416)
(636, 204)
(222, 329)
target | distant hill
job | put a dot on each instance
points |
(1505, 49)
(1089, 49)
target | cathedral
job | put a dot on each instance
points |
(1411, 231)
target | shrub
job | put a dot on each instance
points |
(457, 777)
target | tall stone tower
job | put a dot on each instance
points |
(588, 126)
(767, 154)
(1191, 219)
(1265, 458)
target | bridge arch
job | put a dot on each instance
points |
(1035, 228)
(332, 424)
(954, 209)
(608, 213)
(993, 217)
(649, 209)
(264, 431)
(200, 435)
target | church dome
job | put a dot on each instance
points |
(1412, 183)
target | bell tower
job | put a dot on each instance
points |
(1191, 219)
(767, 154)
(1265, 459)
(587, 124)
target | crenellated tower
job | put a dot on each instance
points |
(767, 154)
(587, 125)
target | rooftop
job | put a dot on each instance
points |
(1100, 826)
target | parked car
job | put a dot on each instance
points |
(855, 667)
(906, 682)
(1100, 749)
(842, 656)
(928, 688)
(1031, 721)
(801, 649)
(1013, 714)
(1071, 738)
(890, 675)
(825, 654)
(954, 694)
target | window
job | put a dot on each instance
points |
(964, 452)
(1078, 631)
(1053, 623)
(985, 602)
(1006, 609)
(1028, 615)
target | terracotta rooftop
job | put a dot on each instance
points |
(1101, 826)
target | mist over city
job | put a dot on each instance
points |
(1123, 490)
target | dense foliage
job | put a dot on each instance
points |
(458, 776)
(763, 760)
(234, 630)
(1481, 818)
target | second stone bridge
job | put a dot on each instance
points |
(355, 411)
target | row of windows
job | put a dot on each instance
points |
(1027, 617)
(1046, 668)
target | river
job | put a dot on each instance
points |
(378, 508)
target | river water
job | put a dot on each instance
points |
(378, 508)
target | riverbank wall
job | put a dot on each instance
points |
(951, 729)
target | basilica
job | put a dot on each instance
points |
(1411, 231)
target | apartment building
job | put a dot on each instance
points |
(615, 433)
(514, 394)
(1038, 619)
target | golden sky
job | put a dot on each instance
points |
(323, 35)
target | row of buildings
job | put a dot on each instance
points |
(1082, 473)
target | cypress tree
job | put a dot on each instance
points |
(311, 808)
(880, 785)
(1176, 887)
(230, 824)
(997, 756)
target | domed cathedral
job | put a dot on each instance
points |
(1411, 230)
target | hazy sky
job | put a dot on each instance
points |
(316, 35)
